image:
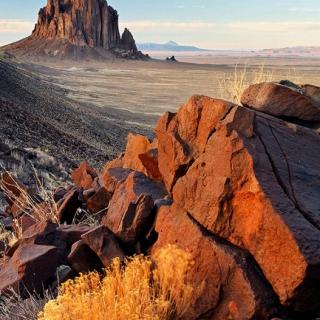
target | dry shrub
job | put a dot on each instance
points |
(13, 307)
(7, 237)
(232, 86)
(44, 210)
(141, 289)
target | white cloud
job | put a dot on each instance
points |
(168, 25)
(15, 26)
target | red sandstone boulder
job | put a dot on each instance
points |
(312, 92)
(82, 259)
(227, 281)
(130, 210)
(283, 101)
(31, 263)
(255, 183)
(104, 244)
(31, 268)
(183, 136)
(99, 201)
(140, 155)
(111, 177)
(83, 176)
(150, 162)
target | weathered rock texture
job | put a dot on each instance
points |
(285, 100)
(236, 188)
(79, 27)
(232, 286)
(83, 22)
(247, 183)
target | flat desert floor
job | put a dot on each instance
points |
(142, 91)
(75, 111)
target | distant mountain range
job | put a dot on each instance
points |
(169, 46)
(301, 51)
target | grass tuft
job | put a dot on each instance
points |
(141, 288)
(232, 86)
(46, 210)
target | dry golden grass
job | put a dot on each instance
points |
(232, 86)
(139, 289)
(13, 307)
(45, 211)
(7, 237)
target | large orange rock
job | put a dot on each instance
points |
(227, 281)
(140, 155)
(131, 207)
(257, 185)
(283, 101)
(183, 136)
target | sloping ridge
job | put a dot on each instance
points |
(36, 114)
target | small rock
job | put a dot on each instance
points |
(83, 176)
(99, 201)
(104, 244)
(82, 259)
(113, 176)
(130, 210)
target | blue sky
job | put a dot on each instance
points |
(216, 24)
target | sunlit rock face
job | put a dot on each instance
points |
(90, 23)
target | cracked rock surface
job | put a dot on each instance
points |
(236, 188)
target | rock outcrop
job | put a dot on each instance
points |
(285, 100)
(78, 28)
(90, 23)
(237, 188)
(127, 41)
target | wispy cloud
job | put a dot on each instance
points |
(305, 9)
(15, 26)
(168, 25)
(238, 26)
(271, 26)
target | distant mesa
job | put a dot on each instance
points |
(77, 29)
(169, 46)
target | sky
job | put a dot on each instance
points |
(212, 24)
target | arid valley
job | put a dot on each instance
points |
(153, 180)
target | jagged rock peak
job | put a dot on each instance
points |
(90, 23)
(127, 41)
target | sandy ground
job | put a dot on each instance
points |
(143, 91)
